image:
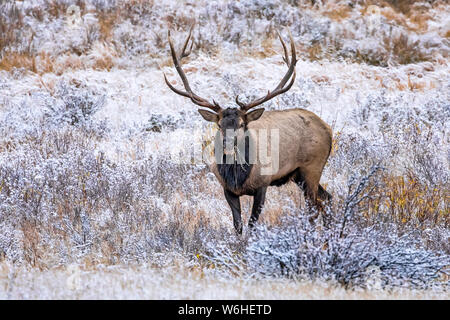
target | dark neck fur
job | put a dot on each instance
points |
(234, 175)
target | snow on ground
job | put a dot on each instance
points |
(331, 90)
(145, 282)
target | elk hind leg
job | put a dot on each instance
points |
(309, 183)
(324, 194)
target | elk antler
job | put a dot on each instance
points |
(188, 93)
(281, 86)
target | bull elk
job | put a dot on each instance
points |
(304, 141)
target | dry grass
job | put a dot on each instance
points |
(57, 8)
(407, 200)
(420, 85)
(100, 57)
(412, 15)
(107, 20)
(314, 52)
(398, 49)
(419, 21)
(40, 64)
(393, 16)
(337, 11)
(401, 6)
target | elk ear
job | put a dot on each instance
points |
(254, 115)
(209, 116)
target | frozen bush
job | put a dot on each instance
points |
(162, 122)
(76, 103)
(343, 247)
(296, 248)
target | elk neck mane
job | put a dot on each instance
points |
(235, 174)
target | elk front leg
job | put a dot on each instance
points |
(235, 204)
(258, 204)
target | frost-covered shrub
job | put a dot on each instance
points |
(298, 249)
(340, 246)
(64, 201)
(161, 122)
(76, 103)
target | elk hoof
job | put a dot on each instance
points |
(238, 228)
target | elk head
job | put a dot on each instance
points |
(232, 122)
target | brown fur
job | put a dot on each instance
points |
(305, 144)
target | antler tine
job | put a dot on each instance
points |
(183, 51)
(240, 104)
(285, 57)
(281, 86)
(188, 93)
(291, 65)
